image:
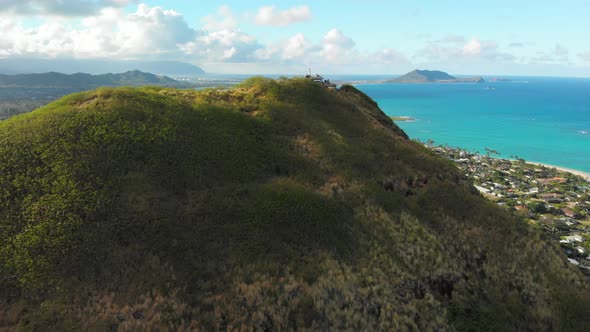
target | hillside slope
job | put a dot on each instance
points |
(276, 205)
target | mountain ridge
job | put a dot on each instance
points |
(55, 79)
(14, 66)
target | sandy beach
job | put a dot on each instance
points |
(585, 175)
(573, 171)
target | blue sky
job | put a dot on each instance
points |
(281, 37)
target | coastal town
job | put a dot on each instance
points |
(554, 201)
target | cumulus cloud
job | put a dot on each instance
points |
(223, 20)
(59, 7)
(150, 32)
(224, 45)
(269, 15)
(297, 46)
(334, 52)
(334, 48)
(110, 33)
(486, 50)
(473, 47)
(336, 45)
(453, 48)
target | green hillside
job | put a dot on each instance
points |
(277, 205)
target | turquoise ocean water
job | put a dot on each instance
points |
(545, 120)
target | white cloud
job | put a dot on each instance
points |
(224, 20)
(473, 47)
(269, 15)
(336, 45)
(487, 49)
(150, 32)
(584, 56)
(295, 49)
(229, 53)
(120, 3)
(333, 52)
(452, 50)
(59, 7)
(223, 45)
(297, 46)
(111, 33)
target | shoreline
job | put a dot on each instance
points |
(402, 118)
(585, 175)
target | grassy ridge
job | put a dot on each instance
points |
(274, 205)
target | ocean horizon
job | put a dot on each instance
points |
(540, 119)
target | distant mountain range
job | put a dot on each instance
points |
(86, 81)
(96, 67)
(433, 76)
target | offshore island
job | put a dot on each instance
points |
(433, 76)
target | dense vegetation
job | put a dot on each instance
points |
(275, 205)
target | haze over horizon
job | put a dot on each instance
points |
(284, 37)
